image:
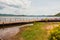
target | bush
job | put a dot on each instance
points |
(55, 34)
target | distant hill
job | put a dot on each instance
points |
(27, 15)
(10, 15)
(6, 15)
(58, 14)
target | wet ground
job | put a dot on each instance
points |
(6, 33)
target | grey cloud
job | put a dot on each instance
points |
(1, 7)
(15, 6)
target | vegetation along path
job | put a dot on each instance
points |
(37, 31)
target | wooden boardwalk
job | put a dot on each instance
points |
(9, 20)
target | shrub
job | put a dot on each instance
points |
(55, 34)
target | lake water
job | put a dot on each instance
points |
(14, 17)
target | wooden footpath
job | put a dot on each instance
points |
(10, 20)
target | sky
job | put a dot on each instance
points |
(30, 7)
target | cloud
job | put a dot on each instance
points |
(29, 7)
(46, 7)
(15, 6)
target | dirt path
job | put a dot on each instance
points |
(7, 33)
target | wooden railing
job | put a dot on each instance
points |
(9, 20)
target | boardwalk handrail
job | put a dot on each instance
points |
(10, 20)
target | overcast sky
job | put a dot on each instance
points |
(30, 7)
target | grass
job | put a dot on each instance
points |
(35, 32)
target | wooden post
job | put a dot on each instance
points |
(3, 25)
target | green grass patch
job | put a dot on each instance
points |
(34, 32)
